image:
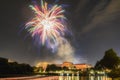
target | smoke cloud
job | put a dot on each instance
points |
(65, 51)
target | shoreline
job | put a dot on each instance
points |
(37, 77)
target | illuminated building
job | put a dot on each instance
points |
(68, 65)
(82, 67)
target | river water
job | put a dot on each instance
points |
(84, 78)
(59, 78)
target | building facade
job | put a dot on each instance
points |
(82, 67)
(69, 65)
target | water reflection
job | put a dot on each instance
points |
(84, 78)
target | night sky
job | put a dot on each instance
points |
(95, 27)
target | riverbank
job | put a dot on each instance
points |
(37, 77)
(15, 75)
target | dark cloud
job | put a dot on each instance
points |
(103, 13)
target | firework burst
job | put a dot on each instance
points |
(48, 26)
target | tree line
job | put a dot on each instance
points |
(8, 68)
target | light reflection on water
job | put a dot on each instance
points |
(84, 78)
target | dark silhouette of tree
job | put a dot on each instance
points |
(65, 68)
(110, 60)
(98, 66)
(4, 66)
(52, 67)
(7, 68)
(115, 73)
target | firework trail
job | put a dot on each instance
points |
(48, 26)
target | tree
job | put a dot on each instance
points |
(98, 66)
(110, 60)
(115, 73)
(65, 68)
(4, 66)
(52, 67)
(7, 68)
